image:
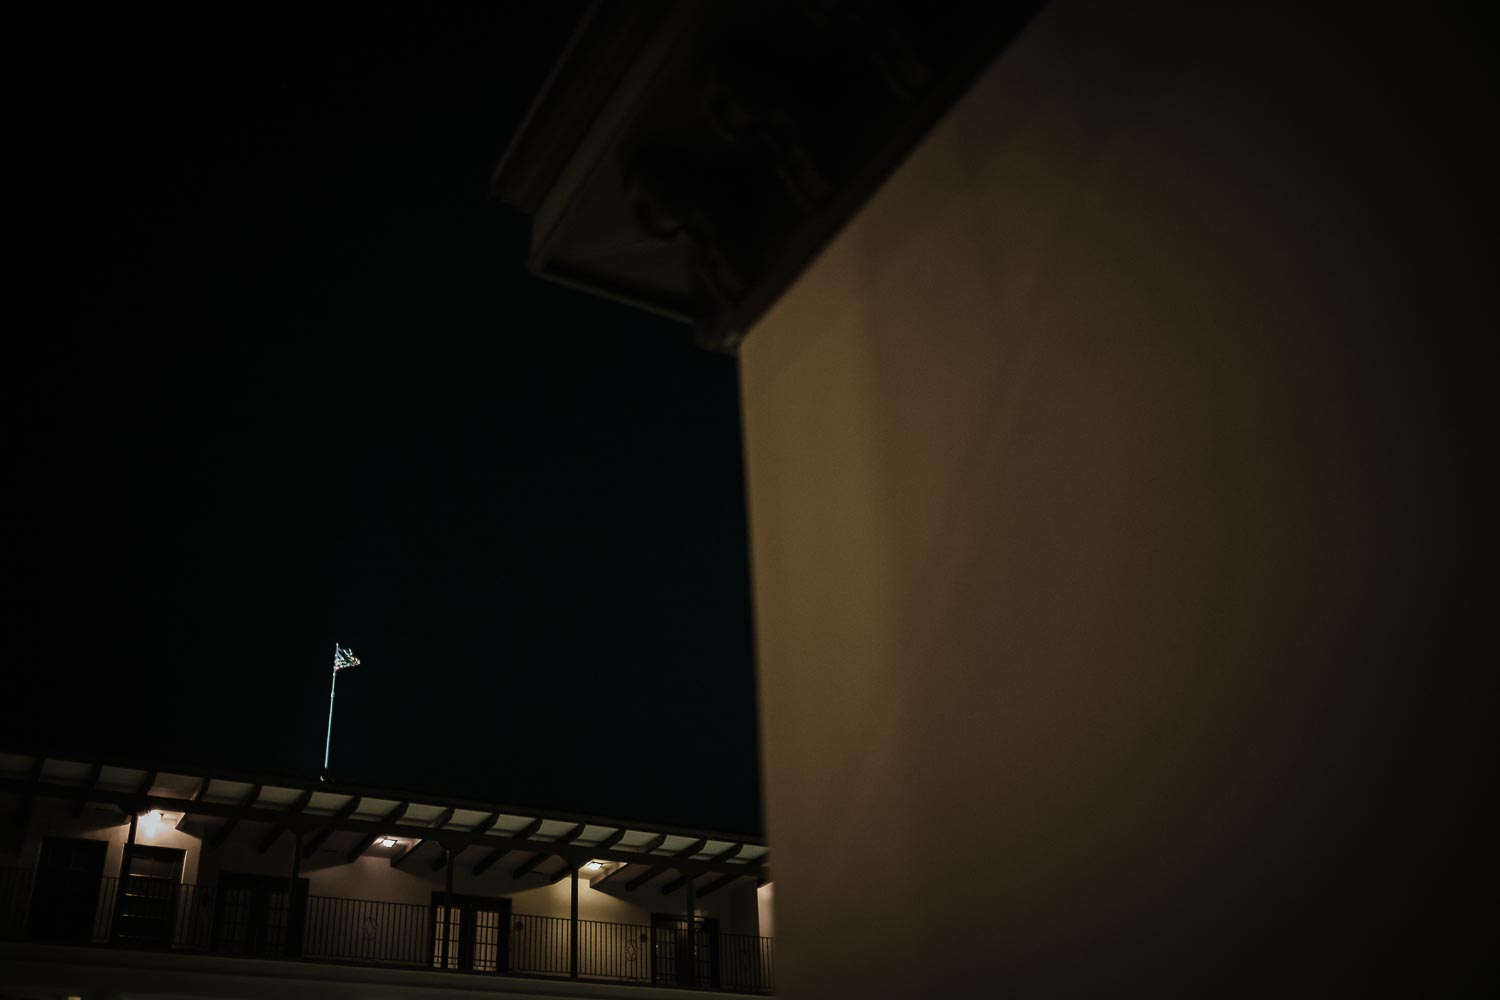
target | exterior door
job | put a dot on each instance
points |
(673, 953)
(254, 915)
(477, 931)
(65, 896)
(146, 907)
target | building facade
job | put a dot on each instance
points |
(1116, 502)
(114, 875)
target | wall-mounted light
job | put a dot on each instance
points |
(156, 821)
(388, 842)
(594, 866)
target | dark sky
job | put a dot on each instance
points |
(277, 377)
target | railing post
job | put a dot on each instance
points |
(692, 922)
(121, 884)
(447, 905)
(573, 926)
(293, 917)
(129, 847)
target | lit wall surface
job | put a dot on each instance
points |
(1107, 514)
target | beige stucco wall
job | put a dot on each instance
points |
(766, 909)
(553, 901)
(1107, 514)
(55, 818)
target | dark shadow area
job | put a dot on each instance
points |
(285, 381)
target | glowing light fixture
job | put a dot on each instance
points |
(594, 866)
(388, 842)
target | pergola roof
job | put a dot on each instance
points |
(545, 845)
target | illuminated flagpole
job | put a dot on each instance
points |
(328, 739)
(343, 659)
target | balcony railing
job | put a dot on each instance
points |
(255, 920)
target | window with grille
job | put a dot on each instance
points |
(146, 909)
(470, 934)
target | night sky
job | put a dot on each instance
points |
(278, 376)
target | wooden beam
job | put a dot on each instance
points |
(359, 849)
(726, 855)
(88, 786)
(280, 828)
(611, 840)
(270, 815)
(652, 844)
(146, 784)
(567, 869)
(484, 825)
(437, 825)
(201, 791)
(316, 840)
(529, 830)
(717, 884)
(530, 865)
(29, 803)
(416, 846)
(270, 838)
(367, 841)
(485, 863)
(573, 834)
(234, 820)
(645, 877)
(596, 883)
(686, 852)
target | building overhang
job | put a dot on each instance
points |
(264, 810)
(691, 158)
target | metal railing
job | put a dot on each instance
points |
(138, 912)
(368, 931)
(613, 951)
(80, 908)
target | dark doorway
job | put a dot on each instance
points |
(255, 915)
(673, 953)
(65, 896)
(146, 903)
(477, 931)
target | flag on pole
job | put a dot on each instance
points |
(343, 658)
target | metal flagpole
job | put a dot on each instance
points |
(328, 740)
(342, 660)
